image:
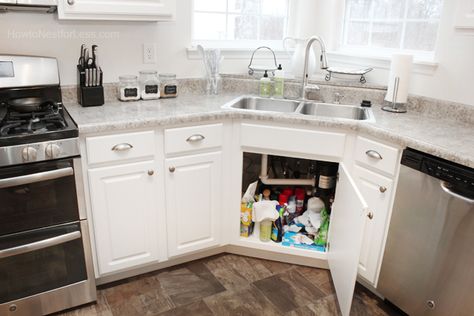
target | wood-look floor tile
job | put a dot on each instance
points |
(289, 290)
(198, 308)
(142, 296)
(184, 286)
(327, 288)
(247, 301)
(317, 277)
(236, 272)
(365, 303)
(274, 267)
(301, 311)
(101, 308)
(326, 306)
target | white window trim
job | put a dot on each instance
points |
(236, 47)
(423, 63)
(240, 53)
(427, 67)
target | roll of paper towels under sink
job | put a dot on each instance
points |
(401, 67)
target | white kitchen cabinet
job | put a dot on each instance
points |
(346, 229)
(193, 202)
(128, 10)
(125, 215)
(377, 191)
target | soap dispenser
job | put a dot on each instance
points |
(265, 86)
(279, 82)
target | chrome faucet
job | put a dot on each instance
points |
(323, 62)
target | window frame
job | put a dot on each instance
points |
(238, 45)
(426, 57)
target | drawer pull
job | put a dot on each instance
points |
(370, 215)
(172, 169)
(195, 138)
(382, 189)
(122, 147)
(151, 172)
(373, 154)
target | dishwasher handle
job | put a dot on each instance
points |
(446, 188)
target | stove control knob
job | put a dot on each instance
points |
(29, 154)
(52, 151)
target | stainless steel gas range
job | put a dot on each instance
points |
(45, 253)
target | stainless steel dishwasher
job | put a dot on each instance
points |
(428, 264)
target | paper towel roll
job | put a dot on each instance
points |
(401, 67)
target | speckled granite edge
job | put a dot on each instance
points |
(350, 94)
(421, 109)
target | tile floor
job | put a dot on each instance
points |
(228, 285)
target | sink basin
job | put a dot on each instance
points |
(339, 111)
(264, 104)
(336, 111)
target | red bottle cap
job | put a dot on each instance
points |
(288, 191)
(282, 199)
(299, 192)
(300, 195)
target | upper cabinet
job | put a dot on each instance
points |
(126, 10)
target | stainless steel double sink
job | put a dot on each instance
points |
(318, 109)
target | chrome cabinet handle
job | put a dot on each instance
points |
(122, 147)
(446, 188)
(53, 241)
(70, 2)
(36, 177)
(370, 215)
(195, 138)
(382, 189)
(172, 169)
(373, 154)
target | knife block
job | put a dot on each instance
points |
(89, 96)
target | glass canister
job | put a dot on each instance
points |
(128, 88)
(149, 85)
(168, 86)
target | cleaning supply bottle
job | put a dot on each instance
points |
(279, 82)
(277, 229)
(265, 86)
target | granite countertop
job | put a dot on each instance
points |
(447, 138)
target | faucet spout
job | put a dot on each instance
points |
(323, 61)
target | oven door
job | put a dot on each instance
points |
(46, 270)
(37, 195)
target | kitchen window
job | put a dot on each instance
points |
(240, 23)
(384, 26)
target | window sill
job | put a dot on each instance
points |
(240, 53)
(420, 66)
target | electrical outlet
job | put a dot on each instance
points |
(149, 53)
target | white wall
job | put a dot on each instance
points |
(452, 80)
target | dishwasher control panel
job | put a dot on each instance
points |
(460, 178)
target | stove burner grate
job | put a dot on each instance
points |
(17, 123)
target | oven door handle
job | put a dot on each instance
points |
(45, 243)
(36, 177)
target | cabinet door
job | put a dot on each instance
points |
(141, 10)
(377, 191)
(124, 211)
(193, 200)
(345, 238)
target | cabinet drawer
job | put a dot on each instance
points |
(184, 139)
(120, 147)
(293, 140)
(376, 155)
